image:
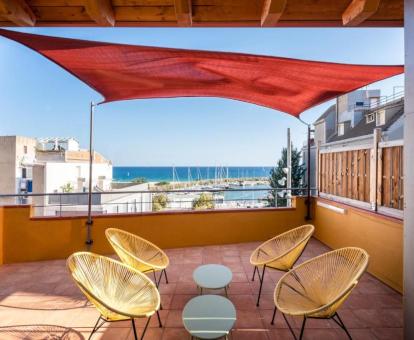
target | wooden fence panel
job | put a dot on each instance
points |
(345, 174)
(392, 178)
(367, 174)
(348, 174)
(354, 190)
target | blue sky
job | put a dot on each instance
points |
(39, 99)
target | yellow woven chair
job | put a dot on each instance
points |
(138, 253)
(280, 252)
(319, 286)
(118, 291)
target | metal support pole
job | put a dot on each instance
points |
(308, 175)
(89, 221)
(408, 171)
(289, 169)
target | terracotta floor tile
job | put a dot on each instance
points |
(231, 260)
(150, 334)
(250, 319)
(240, 288)
(212, 259)
(380, 317)
(369, 301)
(279, 322)
(175, 334)
(174, 319)
(179, 301)
(187, 288)
(325, 334)
(388, 333)
(268, 286)
(167, 288)
(239, 277)
(350, 319)
(280, 334)
(371, 287)
(266, 300)
(186, 277)
(193, 260)
(37, 305)
(235, 267)
(140, 322)
(242, 302)
(166, 300)
(247, 334)
(111, 333)
(41, 331)
(360, 334)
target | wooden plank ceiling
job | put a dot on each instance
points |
(202, 13)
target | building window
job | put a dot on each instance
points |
(341, 129)
(373, 101)
(359, 104)
(370, 118)
(25, 149)
(380, 117)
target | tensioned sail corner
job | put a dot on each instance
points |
(122, 72)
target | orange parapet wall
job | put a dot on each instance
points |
(339, 225)
(27, 238)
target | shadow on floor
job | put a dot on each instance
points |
(37, 332)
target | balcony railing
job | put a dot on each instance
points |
(143, 201)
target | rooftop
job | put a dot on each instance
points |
(393, 110)
(39, 300)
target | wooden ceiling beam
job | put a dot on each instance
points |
(101, 12)
(272, 11)
(358, 11)
(18, 12)
(184, 13)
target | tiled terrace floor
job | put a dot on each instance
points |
(39, 301)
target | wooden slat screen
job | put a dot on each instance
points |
(346, 174)
(390, 183)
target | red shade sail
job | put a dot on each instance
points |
(121, 72)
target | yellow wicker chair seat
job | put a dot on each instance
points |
(280, 252)
(118, 291)
(319, 286)
(136, 251)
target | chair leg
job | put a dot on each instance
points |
(155, 278)
(290, 327)
(273, 318)
(159, 319)
(165, 274)
(261, 278)
(303, 328)
(143, 332)
(341, 324)
(96, 327)
(254, 272)
(135, 330)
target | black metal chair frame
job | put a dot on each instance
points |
(339, 322)
(97, 325)
(261, 279)
(158, 281)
